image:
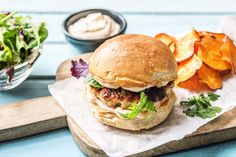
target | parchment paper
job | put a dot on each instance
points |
(70, 95)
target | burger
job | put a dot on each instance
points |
(129, 81)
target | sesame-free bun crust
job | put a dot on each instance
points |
(133, 60)
(154, 118)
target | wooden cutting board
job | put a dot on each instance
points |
(39, 115)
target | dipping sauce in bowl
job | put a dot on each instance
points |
(87, 29)
(94, 26)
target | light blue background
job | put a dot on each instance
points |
(143, 16)
(59, 143)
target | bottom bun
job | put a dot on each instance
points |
(153, 119)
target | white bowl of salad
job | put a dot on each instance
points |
(20, 46)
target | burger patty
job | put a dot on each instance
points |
(123, 98)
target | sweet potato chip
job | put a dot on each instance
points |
(218, 36)
(188, 68)
(193, 84)
(210, 76)
(165, 38)
(185, 46)
(172, 47)
(203, 57)
(228, 52)
(209, 52)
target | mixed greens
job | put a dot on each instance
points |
(144, 104)
(80, 69)
(92, 82)
(200, 106)
(18, 38)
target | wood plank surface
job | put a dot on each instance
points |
(58, 143)
(143, 16)
(29, 89)
(58, 49)
(149, 24)
(122, 5)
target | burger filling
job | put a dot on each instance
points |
(135, 102)
(124, 98)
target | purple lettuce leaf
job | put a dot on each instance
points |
(79, 68)
(10, 73)
(155, 94)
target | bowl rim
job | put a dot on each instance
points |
(121, 17)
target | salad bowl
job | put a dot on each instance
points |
(11, 77)
(21, 43)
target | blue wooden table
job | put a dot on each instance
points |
(143, 16)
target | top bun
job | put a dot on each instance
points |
(133, 61)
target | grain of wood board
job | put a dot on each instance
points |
(186, 6)
(44, 114)
(143, 23)
(150, 24)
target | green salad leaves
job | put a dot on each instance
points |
(92, 82)
(144, 103)
(18, 38)
(200, 106)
